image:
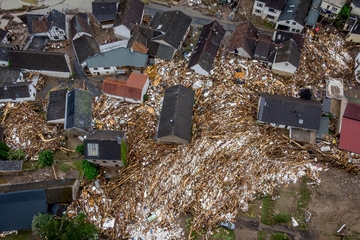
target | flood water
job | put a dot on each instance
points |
(81, 5)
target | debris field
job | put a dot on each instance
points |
(230, 160)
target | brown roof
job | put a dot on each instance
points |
(40, 26)
(242, 32)
(132, 88)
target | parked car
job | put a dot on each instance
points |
(228, 225)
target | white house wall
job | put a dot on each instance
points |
(258, 8)
(122, 32)
(353, 38)
(293, 26)
(49, 73)
(283, 67)
(130, 100)
(144, 89)
(355, 11)
(275, 14)
(57, 121)
(334, 9)
(198, 69)
(242, 53)
(4, 63)
(102, 71)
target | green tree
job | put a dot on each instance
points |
(17, 154)
(123, 153)
(65, 228)
(46, 158)
(90, 170)
(80, 149)
(4, 149)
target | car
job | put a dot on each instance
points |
(228, 225)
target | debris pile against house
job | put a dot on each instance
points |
(230, 159)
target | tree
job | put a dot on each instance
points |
(65, 228)
(80, 149)
(90, 170)
(46, 158)
(4, 150)
(17, 154)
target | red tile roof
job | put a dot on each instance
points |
(352, 111)
(350, 129)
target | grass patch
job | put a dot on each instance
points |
(282, 217)
(267, 211)
(303, 201)
(78, 166)
(262, 235)
(223, 234)
(195, 235)
(279, 236)
(30, 165)
(64, 167)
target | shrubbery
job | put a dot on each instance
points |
(90, 170)
(46, 158)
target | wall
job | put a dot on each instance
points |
(122, 32)
(283, 69)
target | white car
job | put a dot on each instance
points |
(228, 225)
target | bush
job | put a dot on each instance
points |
(4, 149)
(145, 97)
(90, 170)
(279, 236)
(283, 217)
(17, 154)
(80, 149)
(66, 228)
(46, 158)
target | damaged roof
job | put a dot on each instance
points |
(10, 88)
(244, 36)
(57, 19)
(288, 53)
(79, 23)
(40, 26)
(138, 43)
(85, 47)
(129, 13)
(57, 105)
(78, 110)
(104, 10)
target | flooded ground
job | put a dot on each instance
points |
(81, 5)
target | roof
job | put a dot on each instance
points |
(4, 48)
(276, 4)
(131, 89)
(138, 43)
(314, 13)
(288, 53)
(109, 144)
(28, 18)
(17, 209)
(289, 111)
(40, 26)
(352, 111)
(356, 3)
(244, 36)
(130, 12)
(57, 19)
(79, 23)
(79, 110)
(176, 113)
(37, 43)
(173, 24)
(56, 191)
(85, 47)
(3, 33)
(296, 10)
(10, 166)
(104, 10)
(350, 128)
(263, 48)
(45, 61)
(118, 57)
(10, 88)
(283, 36)
(207, 45)
(57, 104)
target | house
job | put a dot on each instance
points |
(314, 13)
(4, 48)
(138, 43)
(293, 112)
(115, 61)
(78, 112)
(205, 51)
(85, 47)
(36, 43)
(354, 30)
(280, 37)
(269, 10)
(17, 209)
(247, 42)
(287, 59)
(61, 191)
(165, 34)
(350, 128)
(293, 17)
(29, 18)
(106, 148)
(131, 90)
(129, 13)
(56, 106)
(14, 88)
(105, 11)
(355, 8)
(330, 9)
(13, 166)
(175, 120)
(57, 30)
(79, 25)
(46, 63)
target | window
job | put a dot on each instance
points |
(334, 9)
(288, 22)
(259, 5)
(106, 67)
(294, 23)
(297, 30)
(293, 30)
(270, 17)
(257, 10)
(95, 68)
(272, 10)
(94, 160)
(93, 149)
(104, 161)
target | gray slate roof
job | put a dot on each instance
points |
(29, 18)
(104, 10)
(45, 61)
(85, 47)
(288, 53)
(11, 166)
(17, 209)
(207, 45)
(118, 57)
(129, 13)
(9, 88)
(276, 4)
(4, 48)
(79, 23)
(79, 110)
(296, 10)
(314, 13)
(57, 103)
(2, 34)
(289, 111)
(57, 18)
(109, 147)
(176, 113)
(173, 24)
